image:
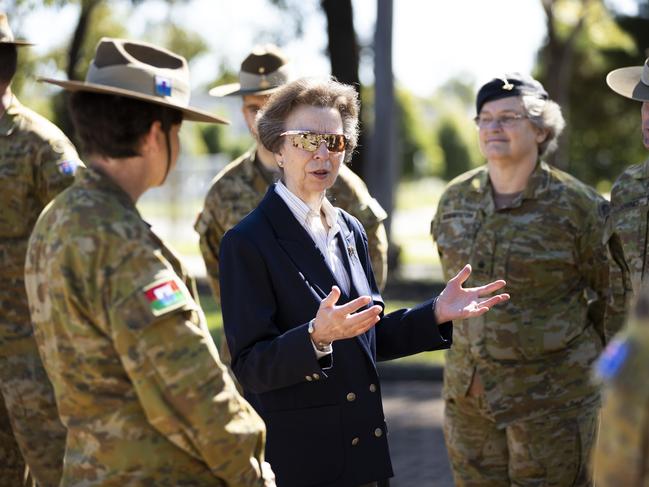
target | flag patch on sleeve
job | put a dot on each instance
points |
(165, 296)
(67, 167)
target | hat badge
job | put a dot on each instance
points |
(507, 85)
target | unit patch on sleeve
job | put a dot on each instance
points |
(165, 296)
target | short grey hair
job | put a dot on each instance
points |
(546, 115)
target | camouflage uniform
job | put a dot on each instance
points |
(137, 378)
(36, 162)
(241, 185)
(622, 451)
(12, 465)
(628, 223)
(532, 354)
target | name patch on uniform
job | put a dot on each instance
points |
(67, 167)
(164, 296)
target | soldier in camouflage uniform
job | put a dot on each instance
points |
(36, 162)
(241, 185)
(137, 378)
(520, 408)
(622, 453)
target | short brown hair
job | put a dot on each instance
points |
(325, 93)
(112, 126)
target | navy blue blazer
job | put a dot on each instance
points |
(324, 418)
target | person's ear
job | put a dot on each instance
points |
(542, 135)
(279, 158)
(152, 138)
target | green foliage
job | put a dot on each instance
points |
(603, 135)
(420, 155)
(218, 139)
(457, 158)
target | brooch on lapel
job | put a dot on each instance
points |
(351, 251)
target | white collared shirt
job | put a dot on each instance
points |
(324, 239)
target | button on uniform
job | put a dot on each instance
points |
(351, 397)
(309, 378)
(316, 376)
(355, 441)
(372, 387)
(378, 432)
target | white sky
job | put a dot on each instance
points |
(433, 40)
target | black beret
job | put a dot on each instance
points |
(514, 84)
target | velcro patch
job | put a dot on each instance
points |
(165, 296)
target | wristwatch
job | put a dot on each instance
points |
(323, 347)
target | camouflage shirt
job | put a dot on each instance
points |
(241, 185)
(36, 162)
(533, 354)
(628, 222)
(137, 378)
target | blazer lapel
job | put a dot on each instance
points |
(347, 246)
(298, 244)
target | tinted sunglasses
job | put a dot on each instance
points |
(310, 141)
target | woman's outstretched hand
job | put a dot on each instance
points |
(335, 322)
(457, 303)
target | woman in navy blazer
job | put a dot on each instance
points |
(302, 313)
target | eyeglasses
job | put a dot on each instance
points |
(310, 141)
(506, 121)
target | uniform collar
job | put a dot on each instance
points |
(536, 186)
(8, 119)
(95, 179)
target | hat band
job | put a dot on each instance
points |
(252, 81)
(163, 83)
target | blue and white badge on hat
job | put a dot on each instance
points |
(162, 86)
(612, 359)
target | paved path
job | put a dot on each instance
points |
(414, 412)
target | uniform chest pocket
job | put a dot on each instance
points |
(454, 234)
(630, 223)
(540, 263)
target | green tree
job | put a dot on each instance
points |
(457, 157)
(584, 43)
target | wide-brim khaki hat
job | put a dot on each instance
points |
(263, 72)
(631, 82)
(142, 71)
(6, 34)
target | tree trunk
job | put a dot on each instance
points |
(383, 167)
(79, 36)
(558, 60)
(344, 57)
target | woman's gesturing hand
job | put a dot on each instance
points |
(456, 302)
(337, 322)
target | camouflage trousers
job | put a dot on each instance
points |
(12, 465)
(548, 451)
(27, 392)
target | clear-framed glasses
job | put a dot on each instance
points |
(310, 141)
(504, 121)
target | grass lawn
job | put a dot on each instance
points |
(215, 324)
